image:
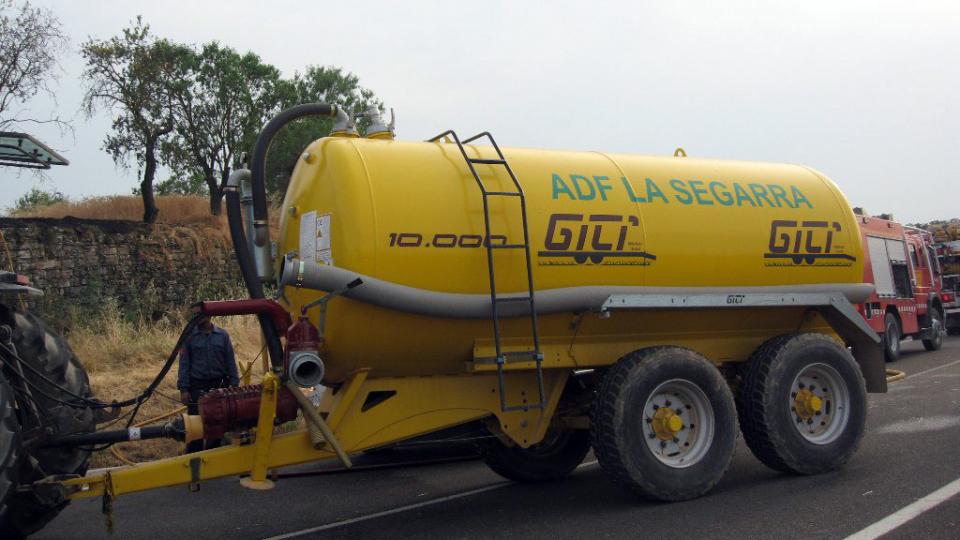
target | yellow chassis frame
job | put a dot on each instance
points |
(417, 405)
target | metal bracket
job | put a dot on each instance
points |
(323, 300)
(194, 485)
(835, 308)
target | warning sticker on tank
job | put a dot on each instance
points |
(315, 245)
(324, 251)
(308, 236)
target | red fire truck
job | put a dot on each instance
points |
(907, 303)
(949, 253)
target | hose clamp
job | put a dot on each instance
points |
(301, 267)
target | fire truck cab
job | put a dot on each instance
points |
(901, 262)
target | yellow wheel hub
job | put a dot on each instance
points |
(807, 404)
(667, 423)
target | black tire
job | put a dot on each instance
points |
(891, 338)
(769, 419)
(9, 443)
(28, 512)
(936, 326)
(622, 426)
(551, 459)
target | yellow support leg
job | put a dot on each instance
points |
(261, 451)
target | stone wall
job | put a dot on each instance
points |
(145, 269)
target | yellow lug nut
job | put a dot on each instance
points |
(815, 404)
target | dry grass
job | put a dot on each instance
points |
(174, 210)
(123, 357)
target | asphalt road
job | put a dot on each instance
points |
(911, 448)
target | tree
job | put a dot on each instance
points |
(219, 114)
(137, 78)
(31, 41)
(179, 185)
(36, 198)
(316, 84)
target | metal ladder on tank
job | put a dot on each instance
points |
(496, 300)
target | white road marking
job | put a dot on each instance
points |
(400, 509)
(918, 425)
(938, 368)
(907, 513)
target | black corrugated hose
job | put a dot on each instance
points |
(234, 217)
(254, 288)
(258, 158)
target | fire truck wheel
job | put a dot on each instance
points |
(802, 404)
(553, 458)
(27, 511)
(664, 424)
(9, 443)
(936, 327)
(891, 338)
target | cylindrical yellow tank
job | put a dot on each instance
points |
(410, 213)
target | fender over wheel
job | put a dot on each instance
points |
(664, 424)
(802, 404)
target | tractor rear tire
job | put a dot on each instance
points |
(802, 404)
(9, 443)
(560, 452)
(664, 424)
(25, 512)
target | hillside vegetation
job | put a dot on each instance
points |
(174, 210)
(122, 351)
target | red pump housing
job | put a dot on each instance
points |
(230, 409)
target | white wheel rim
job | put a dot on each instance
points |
(690, 443)
(824, 424)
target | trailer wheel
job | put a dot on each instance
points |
(891, 338)
(664, 424)
(9, 443)
(27, 512)
(555, 457)
(936, 327)
(802, 404)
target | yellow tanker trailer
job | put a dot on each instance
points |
(565, 300)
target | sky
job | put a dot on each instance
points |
(867, 92)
